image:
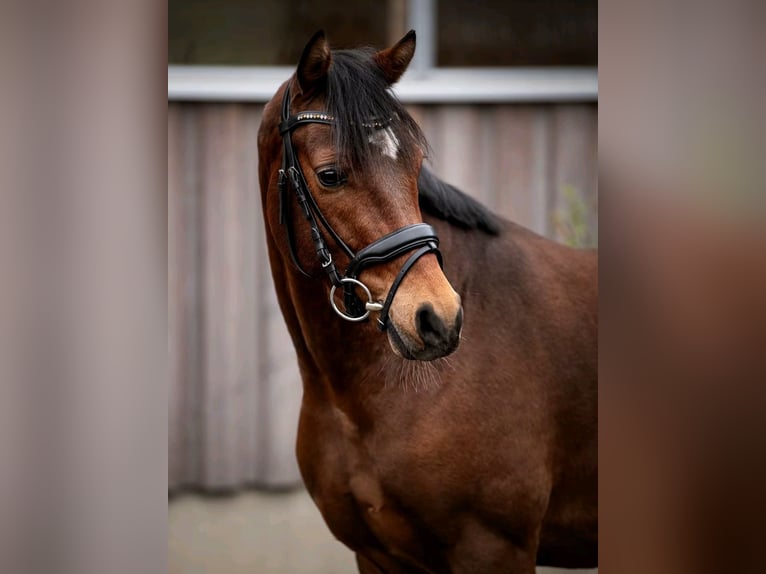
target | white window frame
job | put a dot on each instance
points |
(423, 82)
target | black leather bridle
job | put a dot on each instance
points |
(420, 237)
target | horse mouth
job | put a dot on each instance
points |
(403, 346)
(397, 343)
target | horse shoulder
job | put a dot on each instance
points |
(325, 460)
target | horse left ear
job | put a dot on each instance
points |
(314, 63)
(394, 61)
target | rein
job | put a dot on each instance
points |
(420, 237)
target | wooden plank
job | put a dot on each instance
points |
(455, 149)
(522, 164)
(187, 212)
(486, 188)
(224, 365)
(256, 267)
(282, 391)
(192, 213)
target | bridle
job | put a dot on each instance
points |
(420, 237)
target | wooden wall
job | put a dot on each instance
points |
(234, 391)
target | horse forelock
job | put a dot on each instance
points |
(371, 124)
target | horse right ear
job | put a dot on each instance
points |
(394, 61)
(314, 63)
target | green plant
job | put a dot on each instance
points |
(571, 219)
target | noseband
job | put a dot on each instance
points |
(420, 237)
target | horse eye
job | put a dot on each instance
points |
(331, 177)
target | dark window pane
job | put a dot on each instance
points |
(517, 33)
(267, 32)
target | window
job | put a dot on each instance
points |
(467, 32)
(268, 32)
(517, 33)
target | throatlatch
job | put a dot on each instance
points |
(420, 236)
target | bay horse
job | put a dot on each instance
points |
(448, 356)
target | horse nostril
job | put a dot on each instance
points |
(458, 321)
(430, 326)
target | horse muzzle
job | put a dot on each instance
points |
(433, 336)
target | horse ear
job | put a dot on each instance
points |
(394, 61)
(314, 62)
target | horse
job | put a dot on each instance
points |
(448, 356)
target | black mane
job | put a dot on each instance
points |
(447, 202)
(357, 93)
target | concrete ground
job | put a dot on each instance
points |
(256, 533)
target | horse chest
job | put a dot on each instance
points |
(358, 511)
(352, 497)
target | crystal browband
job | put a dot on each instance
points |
(372, 124)
(314, 116)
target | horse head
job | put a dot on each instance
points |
(344, 203)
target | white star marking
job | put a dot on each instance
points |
(386, 141)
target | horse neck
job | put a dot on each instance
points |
(337, 357)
